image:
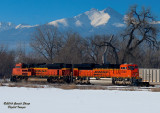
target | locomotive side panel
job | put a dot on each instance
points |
(85, 73)
(101, 73)
(66, 71)
(39, 72)
(20, 71)
(53, 72)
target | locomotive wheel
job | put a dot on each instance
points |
(67, 79)
(49, 80)
(26, 79)
(13, 79)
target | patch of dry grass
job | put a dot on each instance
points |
(1, 84)
(155, 89)
(34, 86)
(123, 89)
(25, 85)
(129, 89)
(14, 85)
(92, 87)
(74, 86)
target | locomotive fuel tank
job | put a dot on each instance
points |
(101, 81)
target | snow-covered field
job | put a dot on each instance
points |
(54, 100)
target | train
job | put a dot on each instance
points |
(119, 74)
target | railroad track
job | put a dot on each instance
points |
(78, 86)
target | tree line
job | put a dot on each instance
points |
(137, 43)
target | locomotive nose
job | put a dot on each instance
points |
(134, 74)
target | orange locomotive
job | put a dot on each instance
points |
(120, 74)
(78, 73)
(53, 72)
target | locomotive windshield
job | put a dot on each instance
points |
(136, 67)
(18, 67)
(131, 67)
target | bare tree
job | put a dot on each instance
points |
(73, 49)
(47, 41)
(6, 61)
(20, 52)
(109, 46)
(140, 29)
(94, 52)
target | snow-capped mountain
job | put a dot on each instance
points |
(89, 23)
(92, 22)
(12, 35)
(8, 25)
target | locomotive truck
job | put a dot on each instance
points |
(125, 74)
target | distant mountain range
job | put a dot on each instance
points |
(12, 35)
(92, 22)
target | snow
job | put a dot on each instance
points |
(98, 17)
(92, 22)
(158, 22)
(6, 26)
(9, 23)
(18, 26)
(61, 21)
(119, 25)
(78, 23)
(24, 26)
(155, 22)
(53, 100)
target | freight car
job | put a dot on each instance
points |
(126, 74)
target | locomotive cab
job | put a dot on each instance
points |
(20, 72)
(17, 69)
(129, 70)
(128, 74)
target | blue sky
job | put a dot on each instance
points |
(43, 11)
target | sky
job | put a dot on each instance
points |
(43, 11)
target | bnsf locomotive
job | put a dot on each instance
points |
(78, 73)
